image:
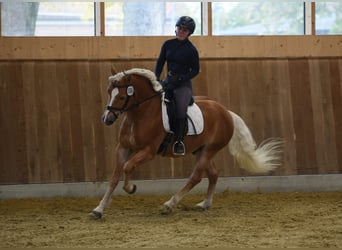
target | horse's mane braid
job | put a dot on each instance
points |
(141, 72)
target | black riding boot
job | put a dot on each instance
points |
(178, 146)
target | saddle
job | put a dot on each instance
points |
(195, 124)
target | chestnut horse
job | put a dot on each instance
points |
(138, 95)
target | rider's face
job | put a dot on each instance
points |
(182, 33)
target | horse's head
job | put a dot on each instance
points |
(126, 92)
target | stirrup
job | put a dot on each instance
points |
(178, 148)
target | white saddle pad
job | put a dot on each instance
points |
(194, 113)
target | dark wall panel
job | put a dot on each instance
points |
(51, 129)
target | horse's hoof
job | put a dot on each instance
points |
(134, 189)
(165, 210)
(95, 215)
(200, 208)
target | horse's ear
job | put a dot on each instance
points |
(112, 70)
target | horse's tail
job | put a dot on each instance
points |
(255, 159)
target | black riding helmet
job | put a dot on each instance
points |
(187, 23)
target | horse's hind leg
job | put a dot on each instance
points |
(196, 176)
(212, 178)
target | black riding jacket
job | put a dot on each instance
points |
(181, 57)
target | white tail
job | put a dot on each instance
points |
(255, 159)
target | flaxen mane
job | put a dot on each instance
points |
(141, 72)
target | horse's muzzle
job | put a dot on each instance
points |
(109, 118)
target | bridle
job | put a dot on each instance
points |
(130, 93)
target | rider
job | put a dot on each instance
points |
(182, 65)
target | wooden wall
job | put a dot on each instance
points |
(53, 93)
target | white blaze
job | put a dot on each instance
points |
(115, 91)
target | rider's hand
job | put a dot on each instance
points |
(167, 86)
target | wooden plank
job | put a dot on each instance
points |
(271, 102)
(12, 126)
(42, 124)
(201, 83)
(54, 121)
(65, 137)
(235, 73)
(74, 81)
(86, 105)
(147, 47)
(220, 93)
(92, 127)
(323, 121)
(31, 132)
(97, 108)
(336, 100)
(6, 174)
(272, 98)
(303, 116)
(284, 114)
(47, 120)
(254, 100)
(17, 120)
(52, 131)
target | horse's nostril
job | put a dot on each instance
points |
(108, 123)
(109, 118)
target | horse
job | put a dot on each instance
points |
(137, 95)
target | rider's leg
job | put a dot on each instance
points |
(182, 96)
(178, 146)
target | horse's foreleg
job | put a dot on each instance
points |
(104, 203)
(139, 158)
(122, 155)
(212, 177)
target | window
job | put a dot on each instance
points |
(140, 18)
(328, 18)
(258, 18)
(148, 18)
(47, 19)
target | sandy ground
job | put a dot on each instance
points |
(235, 220)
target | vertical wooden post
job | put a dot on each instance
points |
(313, 18)
(102, 15)
(310, 18)
(210, 20)
(99, 19)
(206, 19)
(0, 20)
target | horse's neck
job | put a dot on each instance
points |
(146, 112)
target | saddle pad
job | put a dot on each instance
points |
(195, 115)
